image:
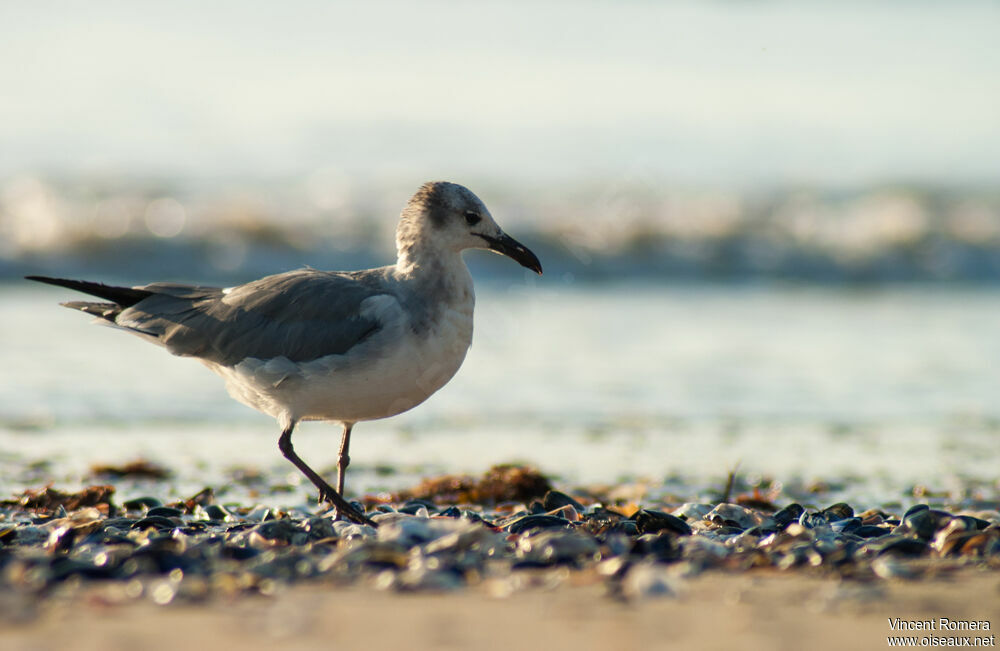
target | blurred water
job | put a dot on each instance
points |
(631, 227)
(589, 382)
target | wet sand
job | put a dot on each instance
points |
(756, 610)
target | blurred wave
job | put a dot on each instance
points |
(156, 229)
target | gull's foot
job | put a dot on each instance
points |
(344, 509)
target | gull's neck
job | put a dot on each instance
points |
(438, 271)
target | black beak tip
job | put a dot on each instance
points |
(526, 258)
(508, 246)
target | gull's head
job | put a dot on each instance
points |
(449, 216)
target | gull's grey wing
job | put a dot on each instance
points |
(301, 315)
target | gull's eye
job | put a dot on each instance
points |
(472, 218)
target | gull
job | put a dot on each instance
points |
(329, 345)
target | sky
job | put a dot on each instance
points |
(732, 93)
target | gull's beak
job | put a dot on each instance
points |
(508, 246)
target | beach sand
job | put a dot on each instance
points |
(751, 610)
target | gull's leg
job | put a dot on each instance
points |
(325, 490)
(345, 459)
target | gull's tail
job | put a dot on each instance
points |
(120, 297)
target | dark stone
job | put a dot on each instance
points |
(913, 509)
(973, 523)
(788, 515)
(606, 527)
(650, 521)
(529, 564)
(472, 516)
(120, 524)
(236, 553)
(848, 525)
(412, 506)
(62, 568)
(193, 528)
(924, 523)
(899, 546)
(156, 560)
(145, 502)
(106, 538)
(537, 522)
(870, 531)
(839, 511)
(663, 546)
(556, 500)
(283, 530)
(216, 512)
(161, 523)
(165, 511)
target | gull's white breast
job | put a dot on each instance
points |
(394, 370)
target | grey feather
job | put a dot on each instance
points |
(301, 315)
(107, 311)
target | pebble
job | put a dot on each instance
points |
(140, 503)
(651, 521)
(551, 547)
(734, 515)
(555, 500)
(195, 549)
(530, 522)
